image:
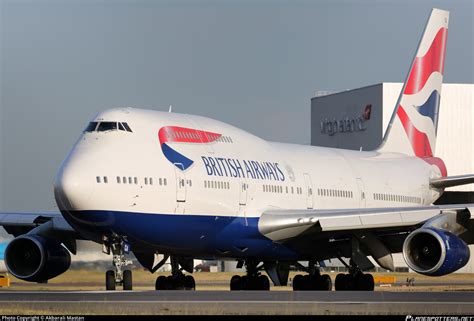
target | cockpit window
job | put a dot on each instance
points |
(91, 127)
(127, 128)
(106, 125)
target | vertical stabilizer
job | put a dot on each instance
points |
(412, 128)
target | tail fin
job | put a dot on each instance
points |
(413, 126)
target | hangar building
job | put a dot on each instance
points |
(356, 119)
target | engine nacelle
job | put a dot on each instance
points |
(35, 258)
(435, 252)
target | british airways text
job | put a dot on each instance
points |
(231, 167)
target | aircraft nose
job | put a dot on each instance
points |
(72, 190)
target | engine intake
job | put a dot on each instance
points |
(435, 252)
(35, 258)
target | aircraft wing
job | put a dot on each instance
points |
(47, 224)
(357, 233)
(284, 224)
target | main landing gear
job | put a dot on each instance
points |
(313, 281)
(254, 280)
(177, 280)
(355, 280)
(118, 276)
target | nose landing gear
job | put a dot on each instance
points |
(118, 276)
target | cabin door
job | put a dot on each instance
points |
(180, 183)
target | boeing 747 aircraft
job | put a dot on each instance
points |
(190, 187)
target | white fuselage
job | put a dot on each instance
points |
(226, 178)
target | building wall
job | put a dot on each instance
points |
(337, 117)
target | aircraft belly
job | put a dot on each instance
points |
(193, 235)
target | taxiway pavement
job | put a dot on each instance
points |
(239, 302)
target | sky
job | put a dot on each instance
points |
(253, 64)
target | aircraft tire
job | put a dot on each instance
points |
(236, 283)
(110, 280)
(189, 283)
(341, 282)
(298, 282)
(127, 280)
(325, 283)
(160, 283)
(263, 283)
(364, 282)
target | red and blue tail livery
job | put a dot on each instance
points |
(414, 124)
(176, 134)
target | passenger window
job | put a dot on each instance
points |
(146, 180)
(106, 181)
(151, 181)
(164, 181)
(161, 181)
(135, 180)
(91, 127)
(124, 180)
(106, 126)
(118, 179)
(120, 126)
(98, 179)
(129, 180)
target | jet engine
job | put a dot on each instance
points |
(434, 252)
(35, 258)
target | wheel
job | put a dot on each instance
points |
(189, 283)
(110, 280)
(341, 282)
(369, 281)
(351, 282)
(245, 283)
(309, 283)
(253, 283)
(160, 283)
(325, 283)
(297, 282)
(236, 283)
(364, 282)
(127, 280)
(263, 283)
(170, 283)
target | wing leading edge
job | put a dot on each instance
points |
(285, 224)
